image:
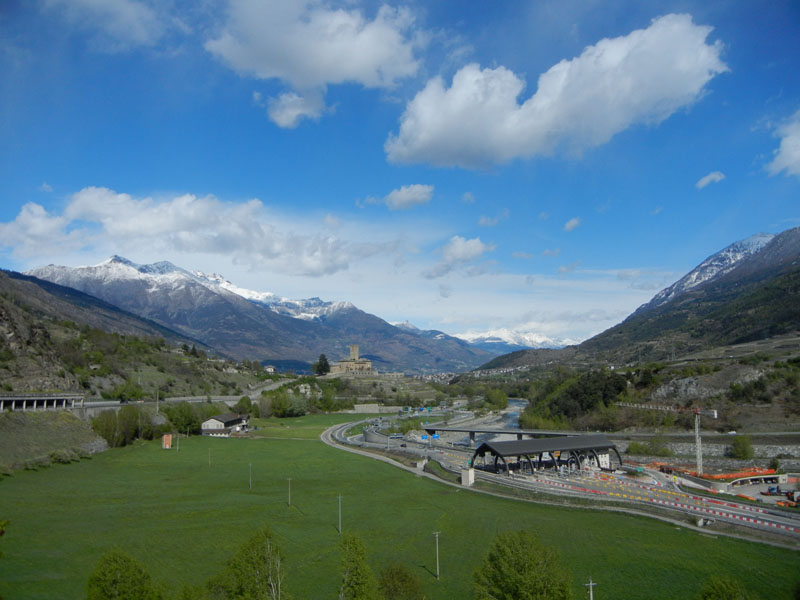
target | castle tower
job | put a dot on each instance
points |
(353, 351)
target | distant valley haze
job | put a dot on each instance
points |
(518, 173)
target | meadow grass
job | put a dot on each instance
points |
(305, 427)
(183, 518)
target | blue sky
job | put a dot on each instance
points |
(537, 167)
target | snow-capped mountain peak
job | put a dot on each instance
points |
(165, 275)
(217, 280)
(714, 266)
(523, 339)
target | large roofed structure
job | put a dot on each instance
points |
(573, 449)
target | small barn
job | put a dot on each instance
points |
(225, 425)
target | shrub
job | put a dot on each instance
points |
(118, 575)
(639, 448)
(398, 583)
(63, 456)
(519, 567)
(742, 447)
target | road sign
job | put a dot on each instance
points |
(424, 437)
(435, 436)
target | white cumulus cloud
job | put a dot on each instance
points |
(640, 78)
(787, 156)
(310, 45)
(713, 177)
(119, 24)
(99, 218)
(457, 251)
(572, 224)
(35, 231)
(570, 267)
(287, 110)
(485, 221)
(408, 196)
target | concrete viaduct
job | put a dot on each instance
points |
(26, 402)
(520, 433)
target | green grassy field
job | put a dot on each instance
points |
(307, 427)
(183, 517)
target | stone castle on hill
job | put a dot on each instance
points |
(353, 365)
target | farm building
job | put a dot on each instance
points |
(224, 425)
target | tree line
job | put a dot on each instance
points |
(517, 566)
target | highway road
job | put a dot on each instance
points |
(652, 488)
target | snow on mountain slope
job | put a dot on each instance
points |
(521, 339)
(164, 274)
(496, 341)
(114, 269)
(243, 324)
(714, 266)
(308, 309)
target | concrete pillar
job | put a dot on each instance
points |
(471, 439)
(467, 477)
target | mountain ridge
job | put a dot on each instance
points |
(714, 266)
(199, 305)
(753, 291)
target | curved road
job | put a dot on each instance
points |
(656, 490)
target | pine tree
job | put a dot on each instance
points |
(322, 367)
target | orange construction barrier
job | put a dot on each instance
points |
(754, 472)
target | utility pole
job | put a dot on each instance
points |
(436, 535)
(697, 446)
(697, 412)
(590, 585)
(706, 412)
